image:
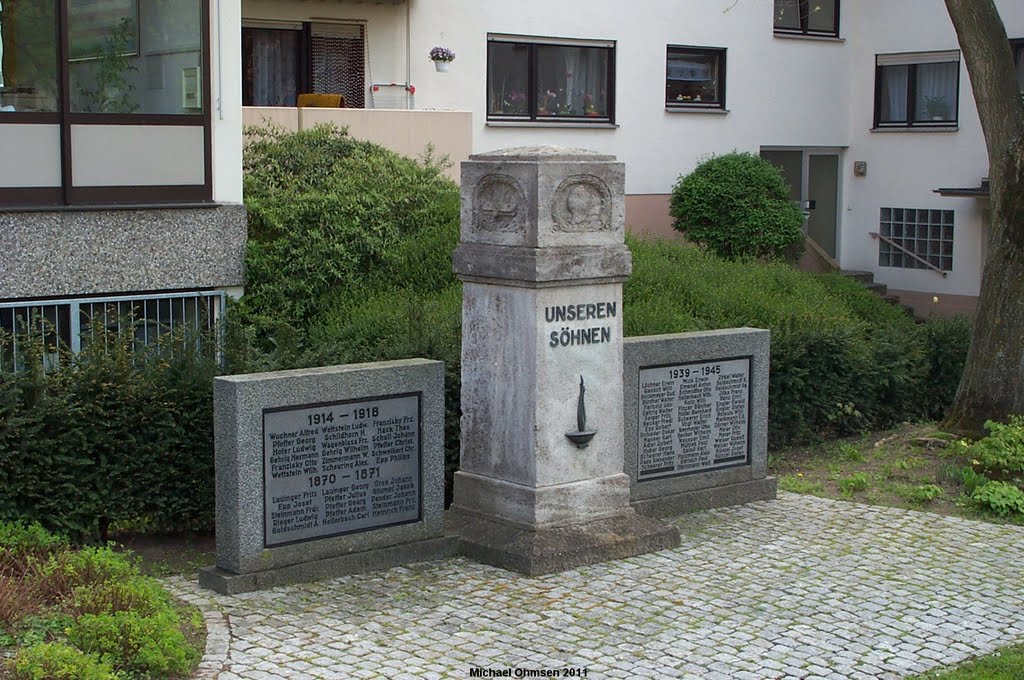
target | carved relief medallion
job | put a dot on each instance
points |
(497, 203)
(582, 203)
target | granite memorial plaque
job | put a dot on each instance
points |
(340, 467)
(693, 417)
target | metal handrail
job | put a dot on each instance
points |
(926, 263)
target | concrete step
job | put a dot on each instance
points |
(877, 288)
(859, 276)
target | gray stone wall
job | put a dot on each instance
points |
(696, 485)
(85, 252)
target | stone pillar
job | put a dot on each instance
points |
(541, 484)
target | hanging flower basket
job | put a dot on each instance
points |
(442, 57)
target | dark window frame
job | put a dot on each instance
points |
(879, 124)
(69, 195)
(1017, 52)
(720, 53)
(804, 8)
(531, 115)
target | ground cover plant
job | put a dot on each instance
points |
(916, 466)
(87, 614)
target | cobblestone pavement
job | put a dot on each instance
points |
(800, 587)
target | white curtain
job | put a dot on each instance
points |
(894, 93)
(936, 91)
(586, 78)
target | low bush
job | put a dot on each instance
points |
(89, 613)
(1002, 451)
(59, 661)
(999, 498)
(136, 645)
(737, 205)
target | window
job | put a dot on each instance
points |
(28, 56)
(917, 90)
(928, 234)
(157, 322)
(695, 78)
(540, 79)
(281, 60)
(803, 17)
(84, 82)
(1017, 46)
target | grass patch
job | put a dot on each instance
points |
(1006, 664)
(913, 467)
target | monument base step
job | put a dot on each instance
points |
(557, 549)
(228, 583)
(682, 503)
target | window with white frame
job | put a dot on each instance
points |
(695, 78)
(52, 329)
(912, 237)
(917, 89)
(550, 79)
(803, 17)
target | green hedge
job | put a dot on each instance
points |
(106, 441)
(109, 438)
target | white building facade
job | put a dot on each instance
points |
(866, 105)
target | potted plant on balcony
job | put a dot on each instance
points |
(442, 56)
(936, 108)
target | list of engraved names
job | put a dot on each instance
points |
(693, 417)
(335, 468)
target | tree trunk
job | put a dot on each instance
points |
(992, 386)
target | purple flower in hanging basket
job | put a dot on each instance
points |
(442, 54)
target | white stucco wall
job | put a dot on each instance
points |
(226, 104)
(905, 167)
(781, 92)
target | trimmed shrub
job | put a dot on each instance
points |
(326, 211)
(737, 205)
(110, 437)
(842, 359)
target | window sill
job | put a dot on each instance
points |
(92, 207)
(943, 128)
(812, 38)
(695, 109)
(549, 124)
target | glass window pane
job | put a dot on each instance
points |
(572, 81)
(935, 95)
(893, 93)
(270, 67)
(508, 78)
(135, 56)
(28, 56)
(692, 78)
(821, 17)
(787, 14)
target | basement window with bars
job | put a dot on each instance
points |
(55, 329)
(926, 233)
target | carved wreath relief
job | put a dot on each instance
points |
(582, 203)
(497, 202)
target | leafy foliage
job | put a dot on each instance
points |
(842, 359)
(87, 613)
(737, 205)
(326, 211)
(110, 437)
(1002, 450)
(1000, 498)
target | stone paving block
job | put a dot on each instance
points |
(796, 587)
